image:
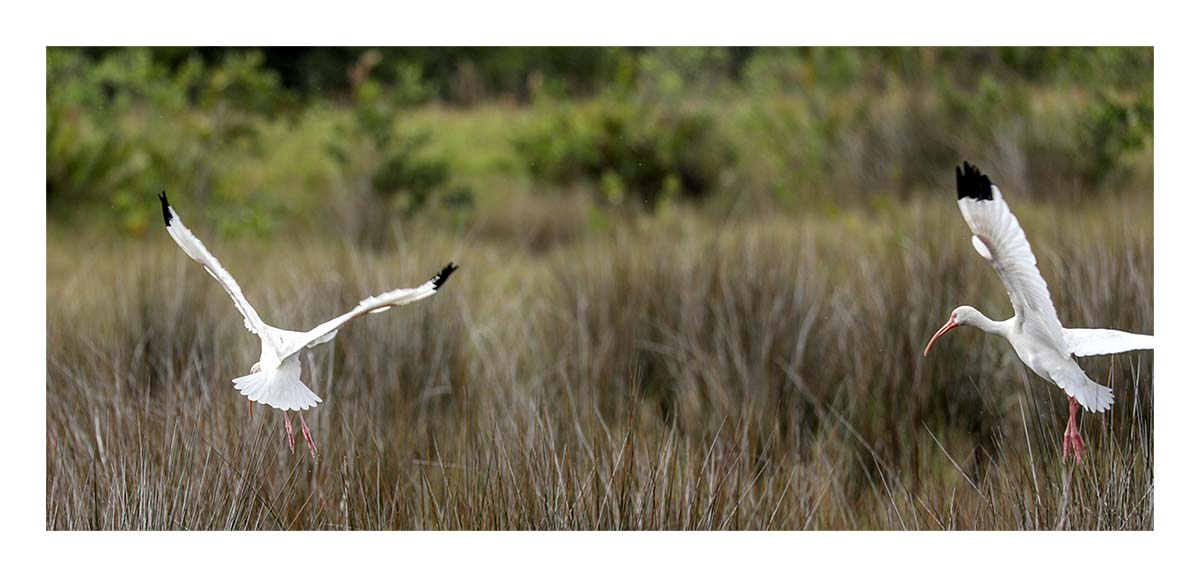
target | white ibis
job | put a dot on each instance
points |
(275, 379)
(1034, 331)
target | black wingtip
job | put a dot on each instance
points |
(439, 279)
(972, 183)
(166, 207)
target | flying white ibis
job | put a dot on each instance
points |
(275, 379)
(1034, 331)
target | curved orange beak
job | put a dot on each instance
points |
(950, 324)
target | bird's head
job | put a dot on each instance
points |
(961, 316)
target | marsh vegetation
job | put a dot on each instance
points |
(673, 312)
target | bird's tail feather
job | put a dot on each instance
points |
(279, 388)
(1071, 379)
(1094, 396)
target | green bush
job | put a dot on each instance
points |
(122, 125)
(256, 137)
(86, 157)
(1113, 129)
(629, 154)
(406, 172)
(397, 163)
(675, 73)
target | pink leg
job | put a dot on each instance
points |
(250, 408)
(312, 447)
(287, 422)
(1078, 442)
(1072, 440)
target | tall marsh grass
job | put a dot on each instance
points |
(672, 373)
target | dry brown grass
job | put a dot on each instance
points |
(672, 374)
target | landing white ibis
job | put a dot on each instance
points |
(275, 379)
(1034, 331)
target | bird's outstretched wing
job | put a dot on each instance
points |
(1088, 342)
(195, 249)
(325, 331)
(1000, 240)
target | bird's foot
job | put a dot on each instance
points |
(308, 440)
(1072, 440)
(290, 436)
(1073, 444)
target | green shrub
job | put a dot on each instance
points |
(408, 173)
(387, 172)
(629, 154)
(1112, 129)
(86, 158)
(234, 132)
(675, 73)
(122, 125)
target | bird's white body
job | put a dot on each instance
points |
(275, 380)
(1047, 362)
(1036, 355)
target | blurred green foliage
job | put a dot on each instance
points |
(396, 132)
(118, 125)
(399, 166)
(1117, 127)
(629, 153)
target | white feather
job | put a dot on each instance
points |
(378, 303)
(981, 248)
(278, 387)
(996, 228)
(1091, 395)
(199, 253)
(1088, 342)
